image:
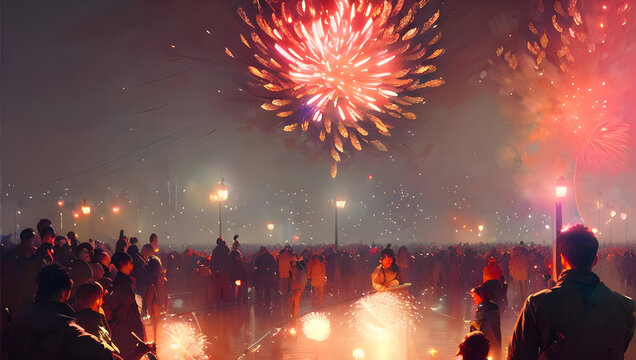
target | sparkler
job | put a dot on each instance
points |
(180, 340)
(379, 314)
(342, 71)
(316, 326)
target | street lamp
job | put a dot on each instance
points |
(220, 196)
(613, 215)
(270, 226)
(340, 204)
(86, 209)
(60, 203)
(116, 209)
(561, 192)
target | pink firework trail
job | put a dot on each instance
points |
(343, 71)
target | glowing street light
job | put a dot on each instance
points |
(561, 191)
(86, 209)
(220, 196)
(116, 209)
(612, 213)
(480, 228)
(60, 203)
(340, 204)
(270, 226)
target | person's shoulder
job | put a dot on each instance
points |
(536, 299)
(622, 301)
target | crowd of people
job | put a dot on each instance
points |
(56, 290)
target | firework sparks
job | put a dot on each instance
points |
(316, 326)
(343, 71)
(380, 314)
(180, 340)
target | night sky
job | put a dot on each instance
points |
(134, 104)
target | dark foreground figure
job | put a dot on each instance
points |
(579, 318)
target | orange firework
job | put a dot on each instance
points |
(342, 71)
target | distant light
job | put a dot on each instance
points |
(270, 226)
(604, 7)
(358, 354)
(370, 178)
(292, 331)
(561, 188)
(86, 209)
(296, 238)
(60, 203)
(547, 227)
(237, 282)
(432, 352)
(612, 213)
(75, 215)
(481, 228)
(116, 209)
(624, 216)
(341, 203)
(594, 231)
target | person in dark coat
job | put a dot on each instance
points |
(487, 320)
(46, 329)
(90, 298)
(579, 318)
(221, 264)
(264, 268)
(124, 316)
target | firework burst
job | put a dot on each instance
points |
(180, 340)
(342, 71)
(316, 326)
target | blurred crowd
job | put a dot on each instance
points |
(140, 281)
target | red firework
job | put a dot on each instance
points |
(341, 71)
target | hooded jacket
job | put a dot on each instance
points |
(47, 330)
(579, 318)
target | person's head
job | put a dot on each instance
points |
(101, 257)
(60, 241)
(154, 241)
(475, 346)
(479, 294)
(146, 251)
(121, 245)
(220, 241)
(47, 235)
(133, 240)
(578, 247)
(387, 258)
(27, 237)
(72, 238)
(236, 237)
(122, 262)
(43, 224)
(89, 296)
(84, 252)
(54, 284)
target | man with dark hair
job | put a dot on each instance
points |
(579, 318)
(43, 224)
(73, 239)
(154, 241)
(45, 329)
(124, 313)
(47, 235)
(90, 298)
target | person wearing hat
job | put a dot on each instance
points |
(487, 320)
(474, 347)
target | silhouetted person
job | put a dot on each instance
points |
(46, 329)
(474, 347)
(579, 318)
(124, 314)
(47, 235)
(90, 298)
(264, 269)
(487, 320)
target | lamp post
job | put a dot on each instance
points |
(613, 215)
(340, 204)
(561, 191)
(60, 204)
(220, 196)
